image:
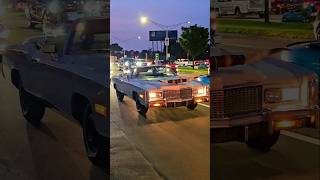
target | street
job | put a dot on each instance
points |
(55, 150)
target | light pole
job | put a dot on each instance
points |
(144, 20)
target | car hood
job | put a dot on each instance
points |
(165, 82)
(267, 72)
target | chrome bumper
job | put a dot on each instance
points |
(276, 120)
(176, 102)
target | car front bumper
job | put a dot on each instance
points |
(224, 130)
(177, 102)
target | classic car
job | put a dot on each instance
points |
(143, 62)
(159, 86)
(50, 13)
(169, 64)
(66, 73)
(253, 99)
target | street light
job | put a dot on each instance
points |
(144, 20)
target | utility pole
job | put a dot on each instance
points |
(266, 11)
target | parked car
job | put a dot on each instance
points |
(293, 16)
(169, 64)
(159, 86)
(67, 73)
(254, 99)
(183, 62)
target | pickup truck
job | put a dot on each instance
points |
(69, 74)
(239, 7)
(253, 99)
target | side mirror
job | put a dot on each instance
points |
(48, 48)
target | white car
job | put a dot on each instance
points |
(316, 27)
(184, 62)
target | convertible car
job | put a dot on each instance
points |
(253, 98)
(159, 86)
(67, 73)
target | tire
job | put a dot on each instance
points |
(33, 109)
(264, 143)
(120, 96)
(140, 107)
(192, 105)
(95, 144)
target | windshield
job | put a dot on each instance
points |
(154, 71)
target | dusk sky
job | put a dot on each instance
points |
(125, 18)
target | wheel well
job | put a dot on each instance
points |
(15, 78)
(237, 9)
(78, 105)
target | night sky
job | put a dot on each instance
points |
(125, 18)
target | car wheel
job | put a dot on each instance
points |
(120, 95)
(140, 107)
(192, 105)
(264, 143)
(33, 109)
(95, 144)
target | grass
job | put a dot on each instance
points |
(273, 29)
(189, 70)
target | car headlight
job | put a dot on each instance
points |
(53, 7)
(201, 91)
(139, 63)
(155, 95)
(281, 95)
(126, 63)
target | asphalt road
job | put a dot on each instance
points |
(174, 141)
(54, 150)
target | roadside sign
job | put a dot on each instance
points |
(166, 41)
(157, 56)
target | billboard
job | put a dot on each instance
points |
(161, 35)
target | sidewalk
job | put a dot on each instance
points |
(126, 162)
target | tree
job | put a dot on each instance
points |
(115, 47)
(194, 41)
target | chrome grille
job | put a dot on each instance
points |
(178, 94)
(234, 102)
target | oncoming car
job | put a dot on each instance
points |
(159, 86)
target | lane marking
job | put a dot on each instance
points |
(301, 137)
(205, 105)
